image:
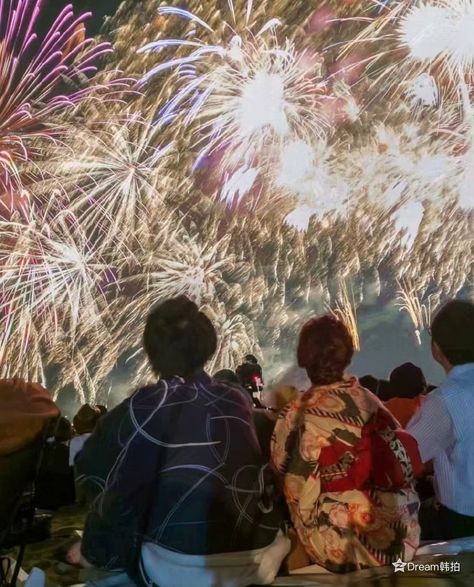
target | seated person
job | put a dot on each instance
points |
(251, 378)
(409, 388)
(178, 488)
(54, 484)
(84, 423)
(265, 418)
(444, 429)
(379, 387)
(347, 471)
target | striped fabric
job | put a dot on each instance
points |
(444, 429)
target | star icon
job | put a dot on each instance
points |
(399, 566)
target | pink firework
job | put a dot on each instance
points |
(36, 77)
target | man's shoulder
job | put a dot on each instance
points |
(450, 387)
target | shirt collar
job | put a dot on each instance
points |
(198, 377)
(461, 370)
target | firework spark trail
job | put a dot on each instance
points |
(346, 310)
(50, 278)
(420, 313)
(115, 177)
(245, 93)
(425, 51)
(34, 74)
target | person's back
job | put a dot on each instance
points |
(175, 474)
(458, 395)
(443, 426)
(404, 408)
(193, 443)
(347, 471)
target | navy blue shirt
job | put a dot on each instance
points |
(177, 464)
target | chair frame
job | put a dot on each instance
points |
(28, 491)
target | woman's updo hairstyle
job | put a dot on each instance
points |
(178, 338)
(325, 349)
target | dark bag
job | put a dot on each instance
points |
(54, 485)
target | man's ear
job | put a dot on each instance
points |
(439, 356)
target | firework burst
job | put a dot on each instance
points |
(426, 50)
(36, 76)
(244, 93)
(116, 177)
(50, 278)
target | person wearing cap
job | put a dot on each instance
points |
(84, 423)
(409, 388)
(443, 426)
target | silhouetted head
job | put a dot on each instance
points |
(452, 332)
(251, 359)
(369, 382)
(227, 376)
(385, 390)
(325, 349)
(407, 381)
(178, 338)
(86, 419)
(63, 430)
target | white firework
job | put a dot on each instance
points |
(182, 265)
(423, 91)
(115, 176)
(235, 338)
(192, 268)
(403, 163)
(426, 45)
(407, 218)
(238, 184)
(244, 93)
(425, 30)
(51, 280)
(305, 171)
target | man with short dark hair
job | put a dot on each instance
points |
(409, 386)
(444, 428)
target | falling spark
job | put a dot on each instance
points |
(420, 313)
(346, 311)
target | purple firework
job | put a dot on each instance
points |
(38, 76)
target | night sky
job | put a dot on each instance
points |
(99, 8)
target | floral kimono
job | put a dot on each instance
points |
(347, 471)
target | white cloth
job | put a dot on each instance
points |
(235, 569)
(75, 446)
(444, 430)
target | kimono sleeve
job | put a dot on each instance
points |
(116, 523)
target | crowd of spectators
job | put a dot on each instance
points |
(193, 479)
